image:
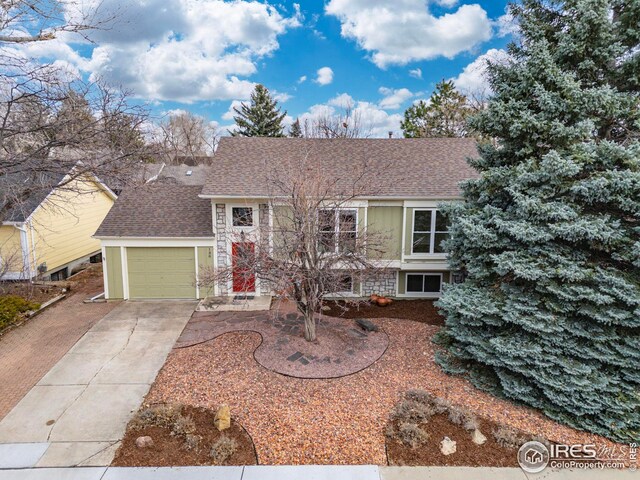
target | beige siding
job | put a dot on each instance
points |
(385, 229)
(205, 262)
(64, 224)
(113, 262)
(10, 248)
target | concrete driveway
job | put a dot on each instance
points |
(77, 413)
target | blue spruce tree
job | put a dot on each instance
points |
(549, 234)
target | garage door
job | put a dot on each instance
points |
(161, 272)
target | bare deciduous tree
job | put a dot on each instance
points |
(187, 135)
(313, 245)
(346, 123)
(50, 119)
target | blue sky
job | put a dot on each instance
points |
(206, 55)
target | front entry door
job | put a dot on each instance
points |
(244, 278)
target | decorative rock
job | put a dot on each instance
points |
(222, 420)
(144, 442)
(326, 308)
(447, 446)
(366, 325)
(477, 437)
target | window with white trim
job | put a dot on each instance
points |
(423, 282)
(429, 230)
(345, 283)
(242, 216)
(338, 230)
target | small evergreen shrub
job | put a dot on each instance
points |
(412, 435)
(222, 450)
(11, 306)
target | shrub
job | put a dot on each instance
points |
(508, 437)
(463, 417)
(420, 396)
(11, 306)
(412, 411)
(183, 426)
(192, 442)
(412, 435)
(164, 415)
(222, 450)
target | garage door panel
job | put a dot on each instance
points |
(163, 272)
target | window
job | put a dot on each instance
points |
(429, 230)
(242, 216)
(345, 283)
(424, 282)
(338, 229)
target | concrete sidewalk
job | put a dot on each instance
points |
(78, 411)
(308, 472)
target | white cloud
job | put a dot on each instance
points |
(447, 3)
(281, 97)
(371, 115)
(397, 32)
(473, 78)
(302, 79)
(325, 76)
(229, 114)
(416, 73)
(506, 25)
(394, 98)
(181, 50)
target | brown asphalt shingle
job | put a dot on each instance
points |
(412, 168)
(159, 211)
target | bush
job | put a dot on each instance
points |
(183, 425)
(508, 437)
(420, 396)
(463, 417)
(192, 442)
(413, 412)
(222, 450)
(11, 306)
(157, 416)
(412, 435)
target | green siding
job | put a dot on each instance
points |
(408, 233)
(161, 272)
(113, 262)
(205, 261)
(387, 222)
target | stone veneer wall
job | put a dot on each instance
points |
(385, 284)
(263, 214)
(221, 244)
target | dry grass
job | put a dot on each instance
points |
(222, 450)
(412, 435)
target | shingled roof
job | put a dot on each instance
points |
(414, 168)
(159, 211)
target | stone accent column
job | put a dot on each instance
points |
(263, 213)
(383, 285)
(221, 244)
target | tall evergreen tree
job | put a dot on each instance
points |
(296, 130)
(261, 118)
(444, 115)
(549, 234)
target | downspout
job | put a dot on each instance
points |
(24, 246)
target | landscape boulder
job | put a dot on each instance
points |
(222, 420)
(447, 446)
(478, 438)
(366, 325)
(144, 442)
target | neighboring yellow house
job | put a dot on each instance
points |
(52, 235)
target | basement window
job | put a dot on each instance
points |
(424, 282)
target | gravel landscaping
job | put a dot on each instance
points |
(332, 421)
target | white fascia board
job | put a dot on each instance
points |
(425, 266)
(156, 242)
(427, 203)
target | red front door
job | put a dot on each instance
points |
(244, 278)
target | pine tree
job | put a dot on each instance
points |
(261, 118)
(296, 130)
(444, 115)
(549, 234)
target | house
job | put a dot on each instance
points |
(158, 238)
(51, 231)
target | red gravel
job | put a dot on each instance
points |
(335, 421)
